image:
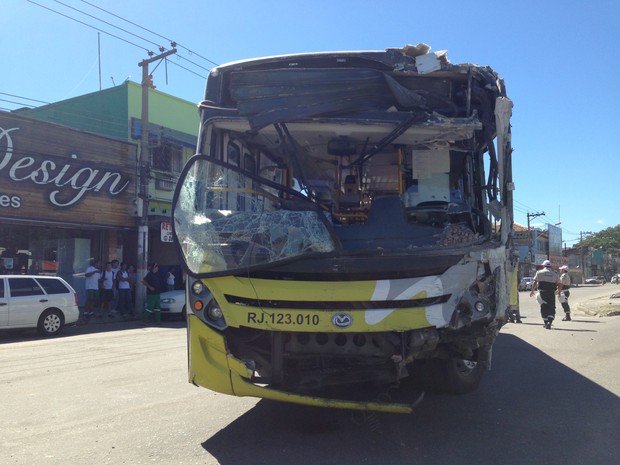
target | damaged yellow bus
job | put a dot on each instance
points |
(345, 226)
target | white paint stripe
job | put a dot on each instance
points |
(376, 316)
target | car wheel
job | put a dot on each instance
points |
(51, 323)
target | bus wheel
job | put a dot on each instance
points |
(458, 376)
(449, 376)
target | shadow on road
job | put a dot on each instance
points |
(552, 415)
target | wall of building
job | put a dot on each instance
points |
(65, 197)
(103, 112)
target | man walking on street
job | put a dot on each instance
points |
(563, 292)
(547, 283)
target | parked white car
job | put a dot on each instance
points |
(46, 303)
(596, 280)
(526, 284)
(172, 303)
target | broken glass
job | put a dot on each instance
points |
(227, 221)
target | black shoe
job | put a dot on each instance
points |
(547, 325)
(519, 321)
(566, 318)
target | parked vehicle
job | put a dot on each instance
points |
(615, 279)
(596, 280)
(172, 303)
(526, 284)
(46, 303)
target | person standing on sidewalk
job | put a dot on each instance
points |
(547, 283)
(116, 267)
(125, 305)
(106, 291)
(91, 285)
(563, 292)
(153, 289)
(170, 279)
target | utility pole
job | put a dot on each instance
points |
(582, 256)
(144, 168)
(531, 240)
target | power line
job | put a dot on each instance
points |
(105, 22)
(127, 32)
(188, 70)
(24, 98)
(16, 103)
(86, 24)
(148, 30)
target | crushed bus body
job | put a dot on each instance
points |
(345, 226)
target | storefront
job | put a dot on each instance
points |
(66, 196)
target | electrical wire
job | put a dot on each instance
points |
(152, 32)
(122, 39)
(107, 23)
(24, 98)
(161, 48)
(86, 24)
(17, 103)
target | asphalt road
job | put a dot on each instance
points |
(118, 394)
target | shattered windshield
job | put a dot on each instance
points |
(227, 221)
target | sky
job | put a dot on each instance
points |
(559, 60)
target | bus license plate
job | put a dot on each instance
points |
(283, 318)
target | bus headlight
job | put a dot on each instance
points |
(197, 287)
(214, 312)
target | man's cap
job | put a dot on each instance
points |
(564, 268)
(546, 264)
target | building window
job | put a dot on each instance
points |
(167, 157)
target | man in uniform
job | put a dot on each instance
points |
(563, 291)
(547, 283)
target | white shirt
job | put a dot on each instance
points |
(92, 282)
(108, 279)
(123, 284)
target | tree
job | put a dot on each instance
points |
(607, 239)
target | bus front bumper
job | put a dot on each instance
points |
(212, 367)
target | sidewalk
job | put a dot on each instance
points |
(117, 318)
(601, 306)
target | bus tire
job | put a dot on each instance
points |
(458, 376)
(447, 376)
